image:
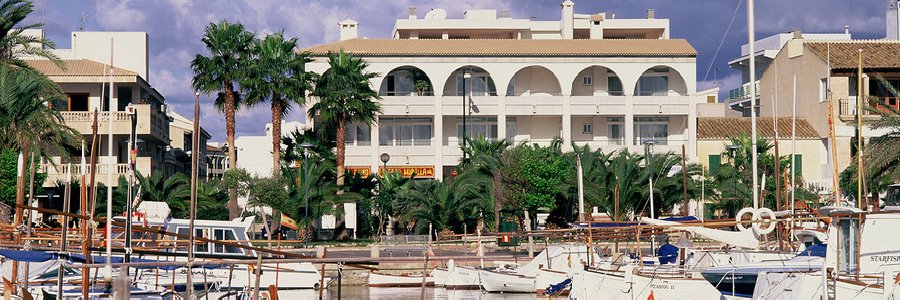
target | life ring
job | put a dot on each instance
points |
(760, 215)
(739, 217)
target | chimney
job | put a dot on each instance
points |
(412, 13)
(348, 29)
(596, 26)
(504, 14)
(651, 14)
(892, 30)
(846, 29)
(797, 34)
(568, 20)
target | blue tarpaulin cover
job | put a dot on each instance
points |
(29, 256)
(681, 219)
(556, 288)
(668, 254)
(814, 250)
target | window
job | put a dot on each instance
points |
(358, 134)
(479, 84)
(587, 128)
(124, 93)
(228, 236)
(478, 127)
(78, 102)
(823, 90)
(201, 247)
(614, 85)
(587, 80)
(651, 85)
(404, 132)
(615, 133)
(715, 160)
(798, 161)
(651, 129)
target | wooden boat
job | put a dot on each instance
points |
(462, 278)
(377, 279)
(440, 276)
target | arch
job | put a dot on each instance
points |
(660, 80)
(603, 82)
(480, 82)
(534, 81)
(406, 81)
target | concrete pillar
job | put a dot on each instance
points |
(629, 120)
(568, 20)
(691, 135)
(567, 122)
(438, 136)
(501, 115)
(376, 154)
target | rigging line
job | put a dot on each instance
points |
(722, 42)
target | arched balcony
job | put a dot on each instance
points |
(477, 82)
(406, 81)
(597, 81)
(534, 81)
(660, 81)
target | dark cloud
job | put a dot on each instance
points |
(175, 28)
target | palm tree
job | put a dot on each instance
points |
(345, 96)
(481, 172)
(27, 123)
(172, 190)
(277, 74)
(229, 45)
(14, 43)
(394, 195)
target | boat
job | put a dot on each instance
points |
(378, 279)
(740, 280)
(75, 293)
(523, 279)
(440, 276)
(462, 278)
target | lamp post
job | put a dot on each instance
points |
(385, 158)
(465, 111)
(649, 144)
(305, 146)
(733, 150)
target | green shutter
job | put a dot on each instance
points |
(798, 169)
(715, 160)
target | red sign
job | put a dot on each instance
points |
(421, 172)
(361, 171)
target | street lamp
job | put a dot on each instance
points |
(385, 158)
(306, 146)
(649, 144)
(733, 150)
(465, 111)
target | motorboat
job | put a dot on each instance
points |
(461, 277)
(523, 279)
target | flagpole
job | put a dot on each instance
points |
(753, 102)
(859, 137)
(112, 167)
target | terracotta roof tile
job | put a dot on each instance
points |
(844, 54)
(716, 128)
(509, 47)
(76, 68)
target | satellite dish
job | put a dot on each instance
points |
(436, 14)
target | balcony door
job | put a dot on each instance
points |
(77, 102)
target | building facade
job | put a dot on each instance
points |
(254, 153)
(178, 156)
(86, 87)
(586, 78)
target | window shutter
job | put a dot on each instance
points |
(715, 160)
(798, 169)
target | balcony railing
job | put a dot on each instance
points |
(63, 169)
(742, 93)
(847, 108)
(151, 121)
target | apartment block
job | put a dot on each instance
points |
(586, 78)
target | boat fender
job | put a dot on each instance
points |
(759, 215)
(740, 215)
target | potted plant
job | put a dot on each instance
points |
(422, 86)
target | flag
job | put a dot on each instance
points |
(651, 296)
(288, 222)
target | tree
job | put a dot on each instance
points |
(394, 197)
(9, 161)
(14, 43)
(345, 96)
(172, 190)
(229, 44)
(536, 177)
(25, 118)
(278, 75)
(211, 201)
(481, 172)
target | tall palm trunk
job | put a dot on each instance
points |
(341, 138)
(277, 111)
(233, 210)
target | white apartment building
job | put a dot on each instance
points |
(254, 153)
(586, 78)
(83, 82)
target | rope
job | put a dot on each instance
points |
(727, 30)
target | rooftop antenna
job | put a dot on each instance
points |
(83, 20)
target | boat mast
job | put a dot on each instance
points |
(112, 167)
(859, 136)
(753, 102)
(195, 151)
(835, 177)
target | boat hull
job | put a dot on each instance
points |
(499, 282)
(289, 276)
(440, 276)
(377, 279)
(545, 278)
(463, 278)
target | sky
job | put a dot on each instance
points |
(175, 28)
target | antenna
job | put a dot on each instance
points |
(83, 20)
